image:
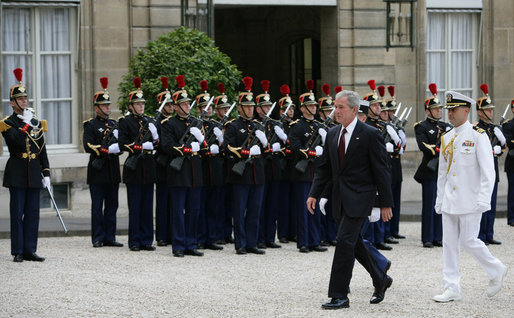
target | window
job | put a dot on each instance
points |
(452, 38)
(40, 41)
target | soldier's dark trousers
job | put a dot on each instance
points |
(510, 198)
(226, 223)
(328, 225)
(269, 212)
(140, 205)
(246, 206)
(185, 208)
(24, 210)
(379, 257)
(392, 227)
(308, 224)
(210, 214)
(378, 231)
(287, 214)
(487, 223)
(431, 222)
(162, 212)
(104, 205)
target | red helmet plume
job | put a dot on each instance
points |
(433, 88)
(204, 85)
(381, 90)
(181, 81)
(265, 85)
(104, 81)
(221, 88)
(137, 82)
(284, 90)
(485, 89)
(248, 82)
(337, 89)
(326, 89)
(18, 73)
(390, 89)
(164, 81)
(310, 85)
(372, 85)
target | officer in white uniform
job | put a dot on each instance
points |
(465, 182)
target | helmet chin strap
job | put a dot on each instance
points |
(102, 111)
(489, 119)
(245, 116)
(19, 107)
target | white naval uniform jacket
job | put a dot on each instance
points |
(466, 172)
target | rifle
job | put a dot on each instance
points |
(395, 119)
(177, 162)
(494, 141)
(404, 122)
(239, 167)
(219, 124)
(55, 207)
(398, 121)
(280, 123)
(107, 140)
(131, 162)
(315, 140)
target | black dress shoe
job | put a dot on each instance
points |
(97, 244)
(134, 248)
(33, 257)
(511, 224)
(241, 251)
(428, 244)
(485, 242)
(200, 246)
(273, 245)
(398, 236)
(229, 240)
(319, 249)
(255, 250)
(193, 252)
(18, 258)
(391, 240)
(283, 240)
(388, 265)
(304, 249)
(379, 293)
(162, 243)
(438, 243)
(179, 253)
(333, 243)
(383, 246)
(337, 303)
(112, 243)
(261, 245)
(213, 247)
(147, 248)
(323, 243)
(221, 242)
(494, 242)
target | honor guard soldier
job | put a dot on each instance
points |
(306, 137)
(498, 141)
(428, 137)
(273, 172)
(212, 167)
(362, 114)
(162, 159)
(103, 169)
(27, 163)
(139, 137)
(181, 140)
(245, 142)
(286, 224)
(508, 131)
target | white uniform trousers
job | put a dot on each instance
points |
(463, 230)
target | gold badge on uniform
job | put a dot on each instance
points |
(311, 96)
(106, 96)
(449, 98)
(249, 97)
(224, 99)
(21, 88)
(266, 97)
(139, 94)
(184, 94)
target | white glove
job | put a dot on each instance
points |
(255, 150)
(394, 135)
(389, 147)
(323, 133)
(319, 150)
(262, 137)
(147, 145)
(27, 116)
(448, 128)
(497, 150)
(215, 149)
(153, 130)
(375, 215)
(482, 207)
(322, 203)
(401, 151)
(115, 133)
(437, 209)
(500, 136)
(402, 136)
(114, 148)
(46, 182)
(197, 133)
(275, 147)
(219, 135)
(280, 133)
(195, 146)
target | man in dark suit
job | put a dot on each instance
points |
(355, 161)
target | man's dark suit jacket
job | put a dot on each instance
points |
(364, 171)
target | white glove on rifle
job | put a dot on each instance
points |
(197, 133)
(280, 133)
(275, 147)
(448, 128)
(195, 146)
(114, 148)
(389, 147)
(499, 134)
(153, 130)
(322, 203)
(147, 145)
(323, 133)
(497, 150)
(262, 137)
(115, 133)
(375, 215)
(215, 149)
(27, 116)
(319, 150)
(402, 136)
(394, 135)
(255, 150)
(401, 151)
(46, 182)
(219, 135)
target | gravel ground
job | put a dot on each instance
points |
(79, 281)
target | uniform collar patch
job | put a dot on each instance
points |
(431, 131)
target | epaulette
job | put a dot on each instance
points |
(294, 122)
(229, 121)
(165, 119)
(85, 121)
(120, 118)
(506, 121)
(415, 124)
(3, 125)
(478, 129)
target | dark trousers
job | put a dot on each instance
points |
(510, 198)
(140, 205)
(24, 210)
(210, 215)
(379, 257)
(350, 247)
(487, 223)
(269, 213)
(375, 232)
(431, 222)
(308, 224)
(392, 226)
(185, 208)
(226, 211)
(328, 225)
(104, 205)
(287, 216)
(162, 212)
(246, 206)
